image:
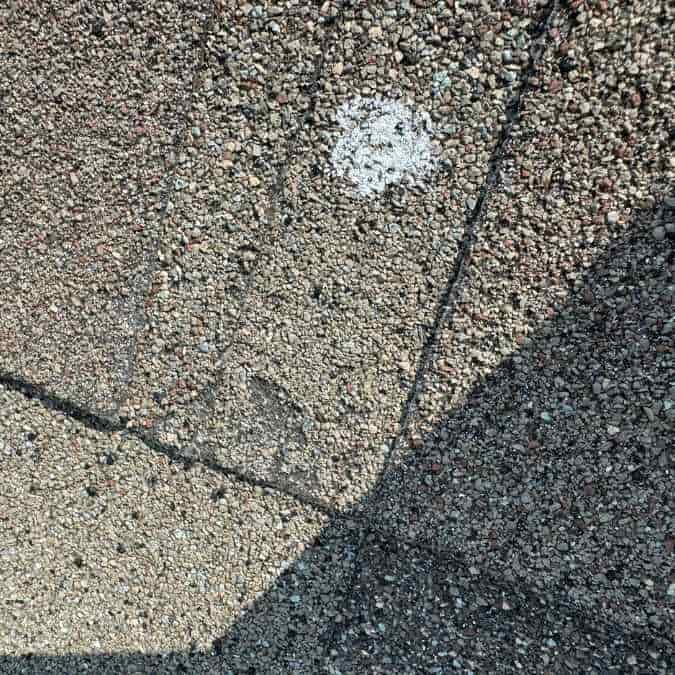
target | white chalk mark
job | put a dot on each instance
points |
(383, 142)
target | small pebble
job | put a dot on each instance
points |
(659, 233)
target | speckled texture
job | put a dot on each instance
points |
(556, 470)
(251, 295)
(540, 450)
(414, 612)
(337, 318)
(509, 326)
(92, 100)
(579, 169)
(109, 547)
(223, 216)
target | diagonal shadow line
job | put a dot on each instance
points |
(373, 499)
(103, 424)
(111, 421)
(261, 640)
(113, 424)
(447, 302)
(587, 621)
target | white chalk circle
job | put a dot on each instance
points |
(382, 142)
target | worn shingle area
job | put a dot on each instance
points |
(290, 315)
